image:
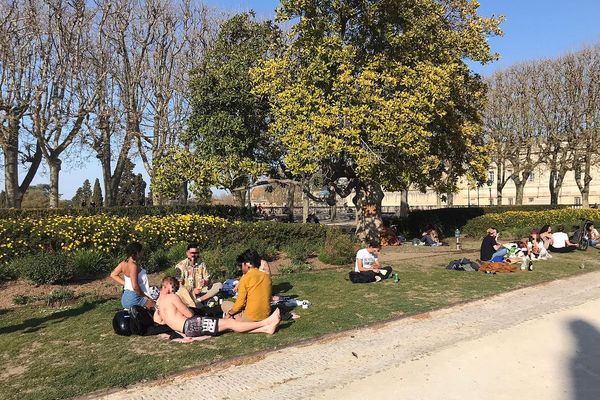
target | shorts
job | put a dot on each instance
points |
(201, 326)
(131, 298)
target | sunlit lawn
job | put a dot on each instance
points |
(50, 353)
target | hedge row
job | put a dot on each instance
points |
(229, 212)
(519, 224)
(110, 234)
(446, 220)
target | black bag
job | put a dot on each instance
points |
(141, 320)
(362, 277)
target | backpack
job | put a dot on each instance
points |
(140, 320)
(361, 277)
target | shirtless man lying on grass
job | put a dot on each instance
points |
(171, 311)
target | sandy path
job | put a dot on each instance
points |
(536, 343)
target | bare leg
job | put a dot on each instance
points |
(267, 325)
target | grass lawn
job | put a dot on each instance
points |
(52, 353)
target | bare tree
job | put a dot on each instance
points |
(62, 98)
(182, 32)
(510, 123)
(19, 54)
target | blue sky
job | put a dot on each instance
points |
(533, 29)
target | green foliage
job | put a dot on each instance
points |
(158, 260)
(132, 187)
(171, 271)
(177, 252)
(300, 250)
(446, 220)
(379, 92)
(228, 123)
(44, 268)
(37, 196)
(97, 199)
(89, 263)
(338, 248)
(230, 212)
(21, 300)
(295, 267)
(518, 224)
(83, 195)
(59, 296)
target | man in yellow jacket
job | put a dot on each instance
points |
(254, 291)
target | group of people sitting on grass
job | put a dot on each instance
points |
(538, 246)
(181, 301)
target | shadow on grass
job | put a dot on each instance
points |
(282, 287)
(35, 324)
(585, 363)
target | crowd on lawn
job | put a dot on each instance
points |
(182, 301)
(538, 246)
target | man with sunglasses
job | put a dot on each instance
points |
(194, 279)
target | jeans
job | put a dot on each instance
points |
(501, 252)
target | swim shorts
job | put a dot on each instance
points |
(201, 326)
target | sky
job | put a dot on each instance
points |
(533, 29)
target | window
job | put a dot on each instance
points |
(531, 199)
(531, 177)
(577, 201)
(510, 201)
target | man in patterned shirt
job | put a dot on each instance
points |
(194, 279)
(171, 311)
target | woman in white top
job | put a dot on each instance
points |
(134, 280)
(560, 242)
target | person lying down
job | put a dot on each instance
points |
(171, 311)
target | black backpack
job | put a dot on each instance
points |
(362, 277)
(141, 320)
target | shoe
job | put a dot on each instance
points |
(530, 266)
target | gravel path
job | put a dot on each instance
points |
(360, 363)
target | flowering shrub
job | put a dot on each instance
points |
(520, 223)
(108, 234)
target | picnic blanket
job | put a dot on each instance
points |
(497, 267)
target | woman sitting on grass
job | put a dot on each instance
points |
(560, 241)
(546, 235)
(537, 251)
(134, 280)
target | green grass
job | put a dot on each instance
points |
(52, 353)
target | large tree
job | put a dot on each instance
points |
(376, 94)
(227, 142)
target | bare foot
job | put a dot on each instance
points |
(275, 316)
(268, 329)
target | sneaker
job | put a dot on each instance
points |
(530, 266)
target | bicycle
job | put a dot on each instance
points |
(581, 236)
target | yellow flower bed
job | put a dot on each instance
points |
(103, 233)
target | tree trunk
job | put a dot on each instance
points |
(520, 188)
(11, 177)
(450, 199)
(404, 206)
(54, 166)
(290, 201)
(555, 184)
(367, 201)
(333, 212)
(305, 207)
(241, 195)
(183, 193)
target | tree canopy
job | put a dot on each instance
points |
(374, 94)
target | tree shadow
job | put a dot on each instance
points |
(585, 363)
(282, 287)
(35, 324)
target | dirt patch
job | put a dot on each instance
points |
(11, 371)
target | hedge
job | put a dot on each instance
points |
(229, 212)
(446, 220)
(518, 224)
(110, 234)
